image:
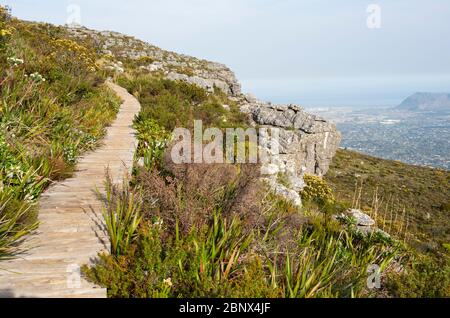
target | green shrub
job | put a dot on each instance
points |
(153, 140)
(6, 30)
(201, 237)
(177, 104)
(446, 247)
(426, 278)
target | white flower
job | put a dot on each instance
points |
(14, 61)
(158, 222)
(29, 198)
(37, 77)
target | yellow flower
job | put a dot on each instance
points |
(5, 32)
(168, 282)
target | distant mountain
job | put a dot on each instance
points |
(426, 102)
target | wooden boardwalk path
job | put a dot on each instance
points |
(71, 224)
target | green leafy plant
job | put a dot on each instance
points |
(218, 253)
(122, 216)
(425, 278)
(153, 140)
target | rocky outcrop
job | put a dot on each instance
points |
(306, 143)
(361, 222)
(306, 139)
(208, 84)
(360, 218)
(175, 66)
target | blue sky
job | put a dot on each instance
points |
(312, 52)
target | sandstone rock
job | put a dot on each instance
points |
(368, 230)
(283, 191)
(304, 139)
(270, 169)
(361, 218)
(153, 67)
(364, 224)
(206, 83)
(206, 74)
(304, 143)
(250, 98)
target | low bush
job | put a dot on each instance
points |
(424, 278)
(177, 104)
(226, 255)
(122, 215)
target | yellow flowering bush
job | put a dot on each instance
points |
(317, 190)
(76, 51)
(6, 31)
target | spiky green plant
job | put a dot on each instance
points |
(122, 215)
(218, 253)
(13, 227)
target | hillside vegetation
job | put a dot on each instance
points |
(53, 107)
(418, 196)
(412, 204)
(202, 230)
(215, 230)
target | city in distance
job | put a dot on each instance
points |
(415, 132)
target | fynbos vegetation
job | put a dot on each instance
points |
(218, 231)
(209, 230)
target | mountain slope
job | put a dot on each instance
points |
(423, 192)
(426, 102)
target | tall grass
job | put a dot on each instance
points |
(14, 225)
(328, 263)
(219, 251)
(389, 215)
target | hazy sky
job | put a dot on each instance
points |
(314, 52)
